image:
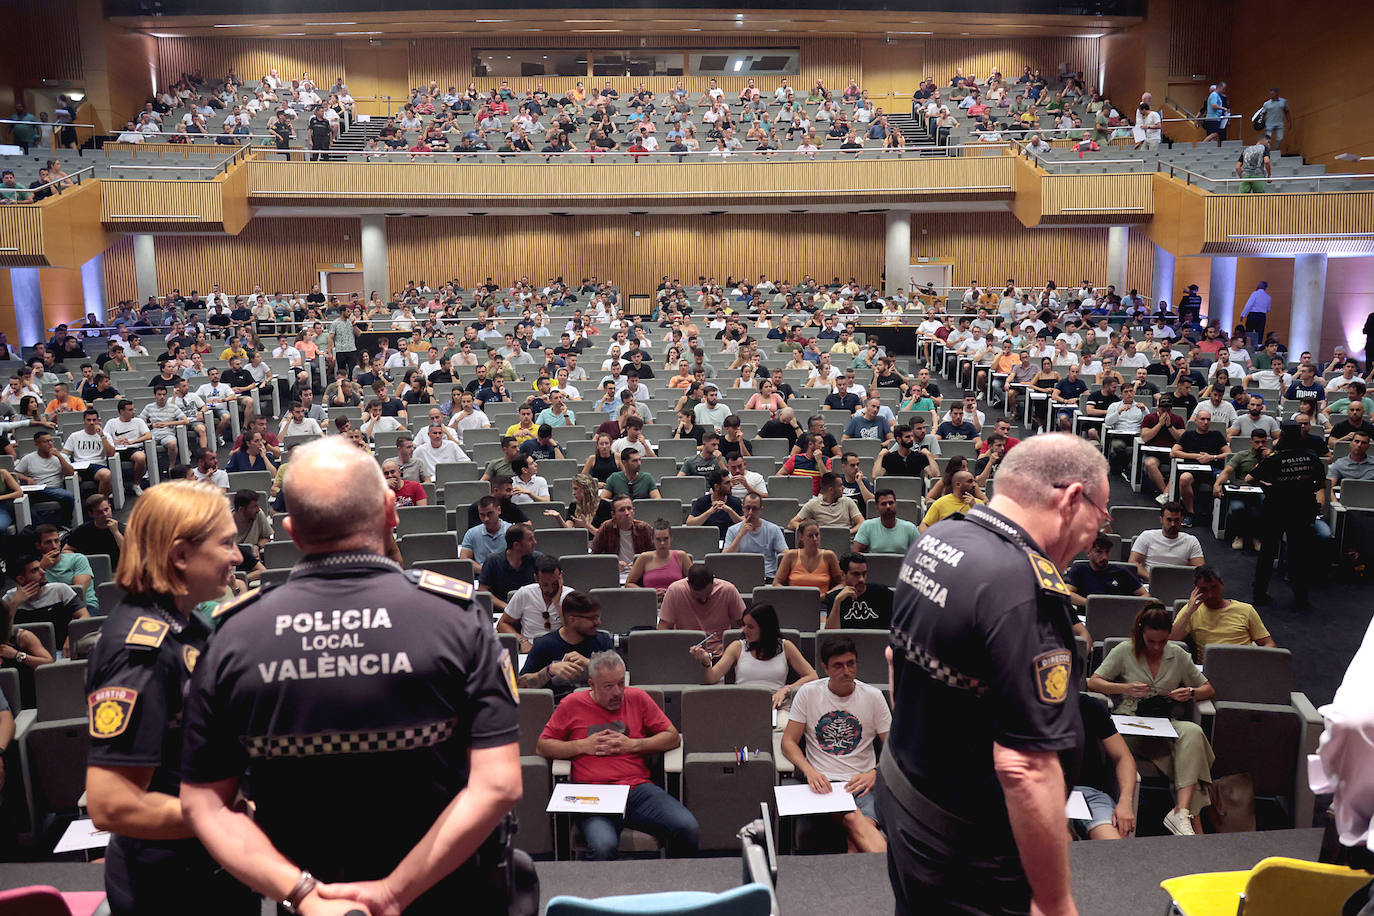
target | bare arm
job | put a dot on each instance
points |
(119, 801)
(1034, 786)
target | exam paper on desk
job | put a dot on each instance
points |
(576, 798)
(799, 799)
(1146, 726)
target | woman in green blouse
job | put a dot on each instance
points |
(1151, 666)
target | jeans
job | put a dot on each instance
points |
(62, 497)
(6, 516)
(649, 809)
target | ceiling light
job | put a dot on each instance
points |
(586, 21)
(739, 65)
(491, 20)
(911, 33)
(329, 23)
(591, 31)
(292, 34)
(236, 25)
(357, 33)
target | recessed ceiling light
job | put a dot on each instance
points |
(329, 23)
(691, 30)
(292, 34)
(235, 25)
(911, 33)
(586, 21)
(491, 20)
(357, 33)
(589, 31)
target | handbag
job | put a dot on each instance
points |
(1157, 707)
(1257, 119)
(1233, 803)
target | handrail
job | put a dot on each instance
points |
(73, 177)
(44, 123)
(1189, 175)
(657, 155)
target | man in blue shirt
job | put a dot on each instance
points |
(487, 537)
(1305, 386)
(868, 425)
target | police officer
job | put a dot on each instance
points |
(180, 549)
(1291, 477)
(985, 692)
(372, 710)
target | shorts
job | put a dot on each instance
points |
(1213, 127)
(1251, 186)
(87, 474)
(1100, 806)
(868, 806)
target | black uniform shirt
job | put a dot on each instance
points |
(983, 653)
(136, 680)
(350, 695)
(1294, 477)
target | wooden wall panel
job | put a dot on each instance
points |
(1346, 217)
(1318, 46)
(278, 254)
(64, 300)
(44, 41)
(1094, 197)
(1200, 37)
(940, 56)
(251, 58)
(118, 262)
(990, 247)
(781, 246)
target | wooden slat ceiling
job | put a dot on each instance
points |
(748, 26)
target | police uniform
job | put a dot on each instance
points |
(983, 652)
(136, 681)
(1293, 477)
(351, 695)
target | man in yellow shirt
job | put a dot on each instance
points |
(64, 401)
(525, 428)
(1215, 619)
(846, 344)
(960, 499)
(234, 349)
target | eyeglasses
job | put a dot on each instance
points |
(1105, 513)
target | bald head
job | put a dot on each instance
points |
(1030, 476)
(337, 499)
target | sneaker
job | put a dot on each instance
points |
(1187, 520)
(138, 490)
(1255, 545)
(1162, 498)
(1178, 823)
(1238, 544)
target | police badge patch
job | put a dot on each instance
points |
(109, 710)
(1052, 672)
(508, 670)
(190, 655)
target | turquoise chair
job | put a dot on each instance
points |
(749, 900)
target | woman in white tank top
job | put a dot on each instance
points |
(761, 657)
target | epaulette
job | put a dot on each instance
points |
(225, 608)
(1046, 575)
(440, 584)
(147, 633)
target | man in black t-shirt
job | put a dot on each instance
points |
(841, 399)
(856, 605)
(905, 460)
(1099, 577)
(1066, 392)
(1106, 776)
(1203, 445)
(816, 427)
(558, 660)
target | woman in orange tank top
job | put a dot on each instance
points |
(808, 564)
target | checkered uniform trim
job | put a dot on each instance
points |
(325, 744)
(938, 670)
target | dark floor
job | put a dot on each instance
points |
(1109, 878)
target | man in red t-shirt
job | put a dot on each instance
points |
(608, 732)
(408, 492)
(1161, 428)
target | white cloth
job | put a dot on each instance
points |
(448, 452)
(1347, 748)
(1158, 550)
(526, 606)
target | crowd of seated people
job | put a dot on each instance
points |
(715, 399)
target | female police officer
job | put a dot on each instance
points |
(180, 549)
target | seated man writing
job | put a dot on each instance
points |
(840, 716)
(607, 733)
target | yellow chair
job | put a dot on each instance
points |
(1277, 886)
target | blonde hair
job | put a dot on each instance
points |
(181, 510)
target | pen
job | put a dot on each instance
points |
(703, 642)
(1143, 725)
(580, 798)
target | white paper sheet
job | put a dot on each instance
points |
(574, 798)
(799, 799)
(80, 465)
(1146, 726)
(1077, 807)
(775, 718)
(81, 834)
(32, 488)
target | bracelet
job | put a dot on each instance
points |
(304, 885)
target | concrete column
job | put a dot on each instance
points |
(1162, 279)
(1309, 293)
(28, 305)
(93, 287)
(1221, 294)
(1117, 237)
(898, 257)
(145, 267)
(374, 256)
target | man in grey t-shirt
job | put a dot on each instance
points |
(1276, 115)
(163, 417)
(48, 468)
(1254, 418)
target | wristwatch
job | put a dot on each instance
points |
(304, 885)
(21, 657)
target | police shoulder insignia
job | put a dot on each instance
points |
(190, 655)
(1047, 575)
(238, 602)
(148, 632)
(447, 586)
(1052, 672)
(508, 670)
(109, 710)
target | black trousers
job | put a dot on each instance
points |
(1296, 525)
(143, 878)
(344, 361)
(1254, 324)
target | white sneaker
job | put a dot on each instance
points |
(1238, 544)
(1162, 498)
(1179, 823)
(138, 490)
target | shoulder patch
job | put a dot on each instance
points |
(224, 608)
(109, 710)
(508, 673)
(444, 585)
(1052, 672)
(1046, 575)
(148, 632)
(190, 655)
